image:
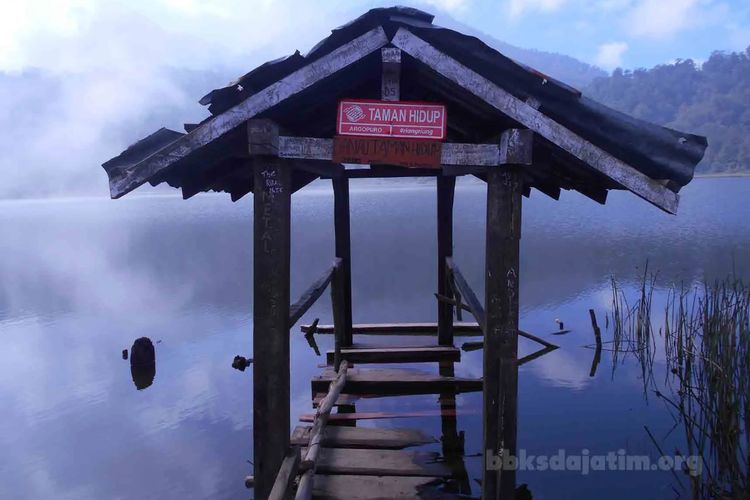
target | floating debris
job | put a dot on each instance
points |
(241, 362)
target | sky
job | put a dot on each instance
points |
(108, 66)
(75, 34)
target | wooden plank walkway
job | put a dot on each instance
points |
(361, 463)
(369, 487)
(374, 462)
(363, 437)
(396, 381)
(364, 355)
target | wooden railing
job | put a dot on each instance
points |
(465, 291)
(475, 308)
(304, 490)
(312, 294)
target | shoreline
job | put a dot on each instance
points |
(717, 175)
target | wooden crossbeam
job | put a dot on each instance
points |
(459, 329)
(524, 113)
(397, 354)
(514, 149)
(296, 82)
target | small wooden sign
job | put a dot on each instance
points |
(373, 150)
(406, 120)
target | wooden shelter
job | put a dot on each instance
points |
(274, 131)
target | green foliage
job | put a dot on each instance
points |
(711, 100)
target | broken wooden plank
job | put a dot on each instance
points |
(396, 381)
(637, 182)
(474, 346)
(380, 463)
(460, 329)
(355, 487)
(363, 437)
(398, 354)
(132, 177)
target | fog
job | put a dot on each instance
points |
(81, 80)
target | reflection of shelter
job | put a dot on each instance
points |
(271, 133)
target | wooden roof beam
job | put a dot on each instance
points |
(524, 113)
(514, 148)
(136, 175)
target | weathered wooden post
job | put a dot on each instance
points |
(271, 254)
(343, 279)
(339, 316)
(445, 193)
(501, 315)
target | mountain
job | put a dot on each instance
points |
(559, 66)
(712, 99)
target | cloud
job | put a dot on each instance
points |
(609, 55)
(662, 18)
(449, 5)
(79, 78)
(519, 7)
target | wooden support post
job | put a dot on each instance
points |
(343, 279)
(391, 79)
(501, 330)
(271, 251)
(339, 316)
(445, 191)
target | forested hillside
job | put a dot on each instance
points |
(712, 100)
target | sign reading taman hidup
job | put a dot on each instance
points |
(376, 150)
(404, 120)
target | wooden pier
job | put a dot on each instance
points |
(353, 462)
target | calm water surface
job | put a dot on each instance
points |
(81, 279)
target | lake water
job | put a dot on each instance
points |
(81, 279)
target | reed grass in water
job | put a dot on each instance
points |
(706, 335)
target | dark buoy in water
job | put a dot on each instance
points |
(124, 354)
(143, 363)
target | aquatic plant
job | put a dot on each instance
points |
(706, 335)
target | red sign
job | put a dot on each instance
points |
(407, 120)
(372, 150)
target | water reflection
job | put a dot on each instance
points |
(80, 279)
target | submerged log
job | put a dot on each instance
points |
(142, 353)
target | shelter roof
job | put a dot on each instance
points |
(578, 143)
